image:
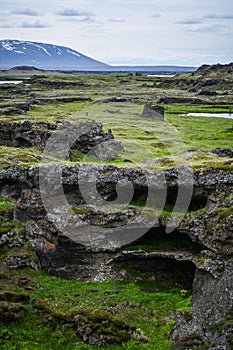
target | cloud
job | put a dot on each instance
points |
(5, 26)
(87, 19)
(35, 24)
(189, 21)
(117, 20)
(81, 19)
(208, 28)
(217, 16)
(25, 12)
(155, 15)
(203, 19)
(69, 12)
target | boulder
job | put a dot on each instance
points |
(153, 111)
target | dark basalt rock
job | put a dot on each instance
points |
(207, 93)
(223, 152)
(170, 100)
(25, 134)
(153, 111)
(92, 139)
(16, 109)
(115, 99)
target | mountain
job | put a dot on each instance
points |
(18, 53)
(44, 56)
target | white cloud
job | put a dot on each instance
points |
(209, 28)
(34, 24)
(71, 12)
(25, 12)
(219, 16)
(117, 20)
(189, 21)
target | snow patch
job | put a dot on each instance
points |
(59, 51)
(40, 47)
(7, 46)
(73, 53)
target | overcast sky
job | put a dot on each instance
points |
(156, 32)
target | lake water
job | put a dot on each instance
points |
(161, 75)
(213, 115)
(11, 81)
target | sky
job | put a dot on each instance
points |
(133, 32)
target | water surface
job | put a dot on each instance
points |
(11, 81)
(214, 115)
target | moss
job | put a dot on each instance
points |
(76, 156)
(6, 208)
(224, 212)
(107, 328)
(14, 297)
(10, 311)
(13, 156)
(82, 210)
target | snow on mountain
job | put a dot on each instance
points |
(44, 56)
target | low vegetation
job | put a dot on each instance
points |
(41, 314)
(38, 311)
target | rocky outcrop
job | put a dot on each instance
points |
(223, 152)
(206, 78)
(153, 111)
(187, 100)
(208, 226)
(210, 324)
(90, 137)
(211, 317)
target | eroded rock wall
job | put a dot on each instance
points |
(208, 225)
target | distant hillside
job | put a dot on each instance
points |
(44, 56)
(14, 53)
(154, 69)
(28, 71)
(207, 77)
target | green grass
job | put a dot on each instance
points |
(147, 143)
(153, 313)
(17, 156)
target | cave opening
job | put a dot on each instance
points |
(165, 272)
(157, 239)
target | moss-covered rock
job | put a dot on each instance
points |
(101, 327)
(96, 327)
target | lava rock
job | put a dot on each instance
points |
(153, 111)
